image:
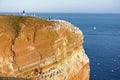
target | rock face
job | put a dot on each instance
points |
(39, 49)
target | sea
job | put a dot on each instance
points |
(101, 40)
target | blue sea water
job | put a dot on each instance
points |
(101, 41)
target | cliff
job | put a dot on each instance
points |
(38, 49)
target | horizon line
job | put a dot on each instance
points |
(65, 12)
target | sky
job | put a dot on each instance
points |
(63, 6)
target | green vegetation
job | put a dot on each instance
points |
(14, 22)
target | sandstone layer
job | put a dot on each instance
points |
(39, 49)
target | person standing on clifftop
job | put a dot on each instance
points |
(23, 13)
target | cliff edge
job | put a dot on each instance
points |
(39, 49)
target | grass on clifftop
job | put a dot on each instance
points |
(13, 21)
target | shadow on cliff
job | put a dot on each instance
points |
(12, 78)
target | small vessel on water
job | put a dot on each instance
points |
(94, 28)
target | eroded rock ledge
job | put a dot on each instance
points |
(37, 49)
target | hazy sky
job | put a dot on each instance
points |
(79, 6)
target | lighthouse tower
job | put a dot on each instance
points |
(23, 13)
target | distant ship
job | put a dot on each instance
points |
(94, 28)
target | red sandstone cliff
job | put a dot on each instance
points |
(38, 49)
